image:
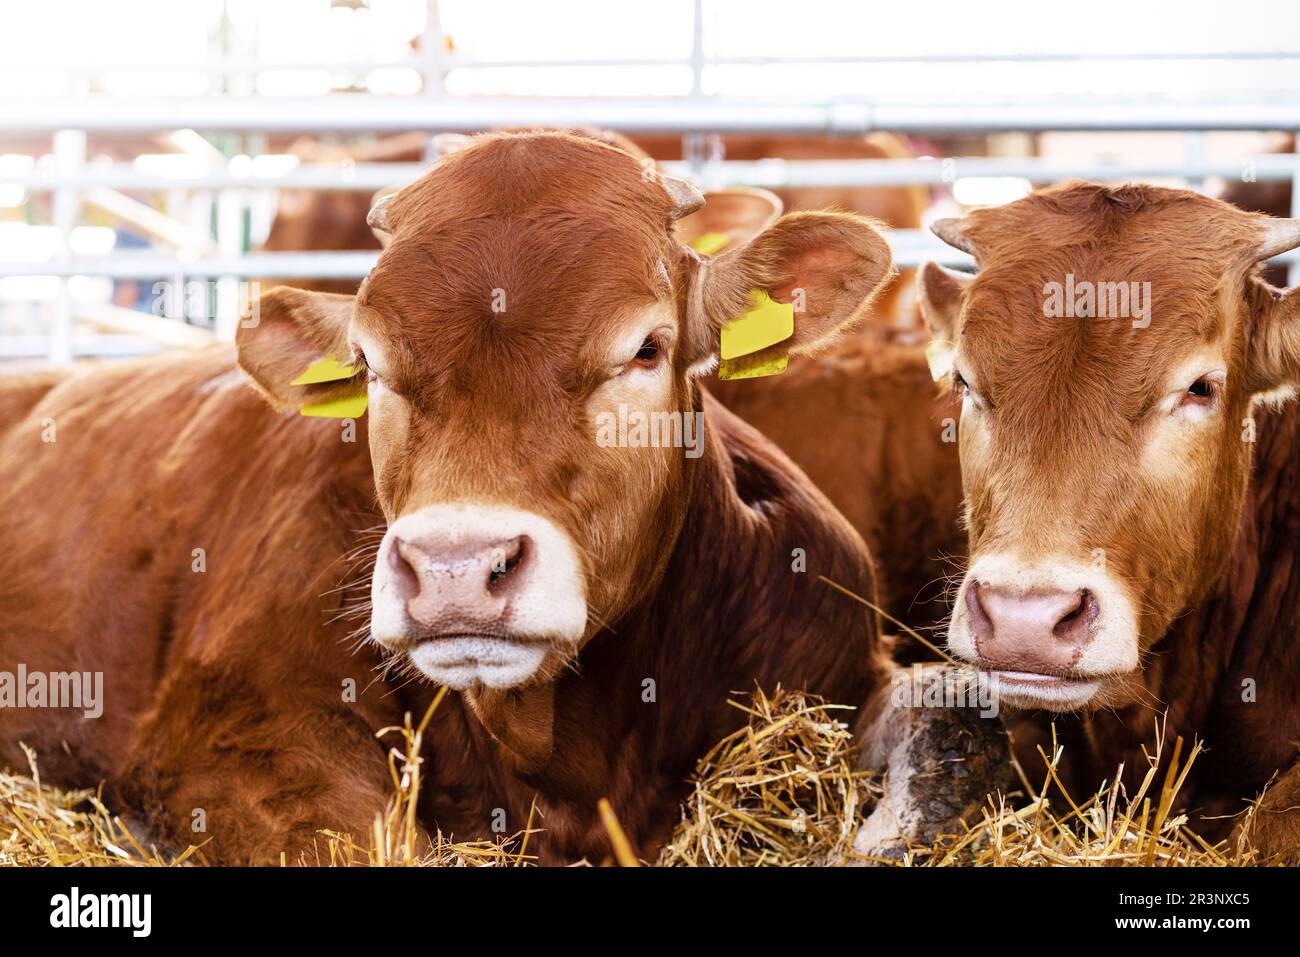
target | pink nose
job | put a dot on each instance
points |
(1040, 630)
(465, 582)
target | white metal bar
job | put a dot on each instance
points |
(242, 66)
(148, 220)
(775, 173)
(37, 347)
(69, 154)
(363, 177)
(911, 248)
(844, 117)
(697, 49)
(769, 173)
(1293, 270)
(433, 52)
(164, 332)
(230, 243)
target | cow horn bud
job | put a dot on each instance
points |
(953, 232)
(377, 218)
(685, 197)
(1279, 236)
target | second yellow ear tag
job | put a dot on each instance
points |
(328, 369)
(348, 407)
(706, 244)
(751, 367)
(765, 324)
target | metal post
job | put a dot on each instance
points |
(69, 155)
(230, 243)
(433, 43)
(1293, 270)
(697, 50)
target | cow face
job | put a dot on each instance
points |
(531, 303)
(1108, 353)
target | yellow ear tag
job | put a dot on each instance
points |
(348, 407)
(706, 244)
(328, 369)
(751, 367)
(938, 356)
(765, 324)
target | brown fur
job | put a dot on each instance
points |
(865, 423)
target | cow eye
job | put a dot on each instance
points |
(648, 354)
(1201, 392)
(359, 359)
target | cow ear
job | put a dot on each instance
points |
(286, 332)
(939, 292)
(1275, 337)
(729, 218)
(829, 265)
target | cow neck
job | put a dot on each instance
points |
(522, 721)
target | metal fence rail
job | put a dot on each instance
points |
(768, 173)
(841, 117)
(73, 182)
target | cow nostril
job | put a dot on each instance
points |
(506, 559)
(980, 622)
(1076, 622)
(404, 573)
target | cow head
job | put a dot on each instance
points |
(1109, 353)
(533, 288)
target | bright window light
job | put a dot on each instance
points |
(990, 190)
(171, 165)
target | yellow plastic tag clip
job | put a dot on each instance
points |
(765, 324)
(328, 369)
(751, 367)
(348, 407)
(706, 244)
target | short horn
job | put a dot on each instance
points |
(1278, 236)
(953, 232)
(377, 218)
(685, 197)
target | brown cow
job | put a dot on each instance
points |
(594, 604)
(1125, 557)
(878, 448)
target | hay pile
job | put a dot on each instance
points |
(781, 791)
(43, 826)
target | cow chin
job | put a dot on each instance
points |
(1055, 636)
(474, 595)
(470, 661)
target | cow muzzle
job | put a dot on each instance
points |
(1048, 636)
(478, 595)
